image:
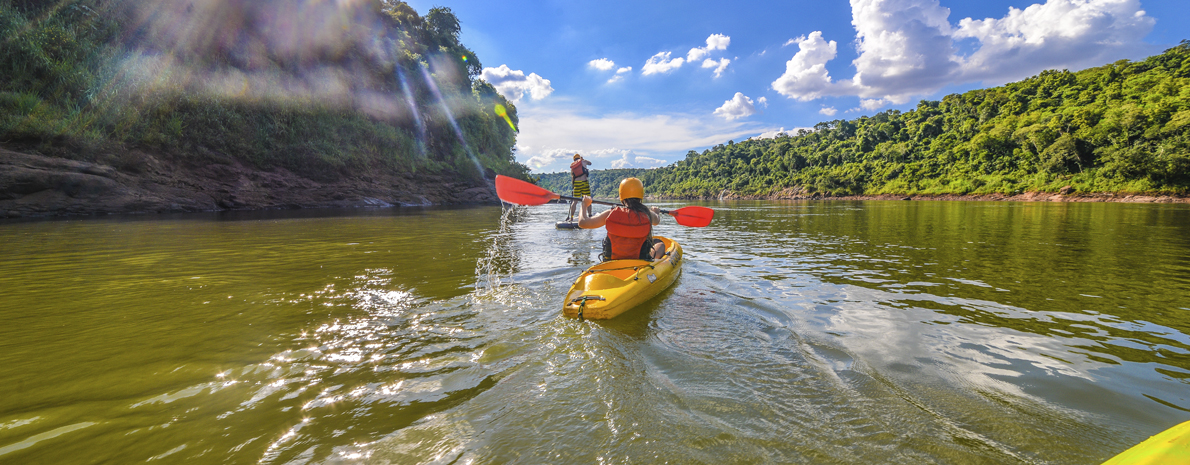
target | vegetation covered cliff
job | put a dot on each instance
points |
(1120, 128)
(327, 91)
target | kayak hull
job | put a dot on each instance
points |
(566, 225)
(1170, 446)
(613, 287)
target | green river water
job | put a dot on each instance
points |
(799, 332)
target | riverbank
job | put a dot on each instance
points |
(1064, 195)
(34, 185)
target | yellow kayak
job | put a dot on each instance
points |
(1169, 447)
(613, 287)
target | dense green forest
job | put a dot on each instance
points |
(320, 88)
(1120, 128)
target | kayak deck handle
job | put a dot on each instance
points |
(585, 298)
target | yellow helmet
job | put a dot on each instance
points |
(577, 156)
(632, 188)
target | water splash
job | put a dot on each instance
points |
(488, 267)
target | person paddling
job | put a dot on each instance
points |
(579, 179)
(629, 226)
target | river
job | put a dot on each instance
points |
(799, 332)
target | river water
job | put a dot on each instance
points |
(799, 332)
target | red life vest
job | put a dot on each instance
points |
(627, 231)
(578, 168)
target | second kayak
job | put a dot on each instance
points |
(615, 286)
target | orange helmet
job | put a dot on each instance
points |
(632, 188)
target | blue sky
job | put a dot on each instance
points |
(638, 84)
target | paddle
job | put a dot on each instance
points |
(513, 190)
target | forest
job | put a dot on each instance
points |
(319, 88)
(1119, 128)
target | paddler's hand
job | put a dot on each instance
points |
(587, 202)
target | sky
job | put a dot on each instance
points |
(632, 84)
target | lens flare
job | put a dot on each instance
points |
(503, 113)
(464, 57)
(425, 73)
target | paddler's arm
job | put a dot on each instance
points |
(655, 215)
(591, 222)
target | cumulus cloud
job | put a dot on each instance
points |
(513, 84)
(602, 64)
(904, 47)
(739, 106)
(774, 133)
(619, 76)
(1069, 34)
(714, 42)
(806, 77)
(718, 65)
(552, 133)
(661, 63)
(631, 160)
(828, 111)
(873, 103)
(763, 101)
(907, 47)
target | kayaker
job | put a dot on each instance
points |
(580, 182)
(629, 226)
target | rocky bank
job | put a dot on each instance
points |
(34, 185)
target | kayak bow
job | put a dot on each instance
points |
(616, 286)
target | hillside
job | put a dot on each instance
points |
(328, 95)
(1123, 128)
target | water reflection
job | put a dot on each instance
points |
(799, 332)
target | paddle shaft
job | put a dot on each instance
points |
(600, 202)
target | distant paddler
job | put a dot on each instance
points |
(580, 182)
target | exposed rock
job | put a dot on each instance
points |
(39, 185)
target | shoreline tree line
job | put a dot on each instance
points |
(1119, 128)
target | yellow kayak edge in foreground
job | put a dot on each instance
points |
(1168, 447)
(616, 286)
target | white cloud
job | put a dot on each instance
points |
(904, 47)
(872, 104)
(631, 160)
(828, 111)
(773, 133)
(792, 41)
(1070, 34)
(718, 65)
(552, 133)
(661, 63)
(763, 101)
(620, 74)
(908, 48)
(602, 64)
(739, 106)
(806, 77)
(513, 84)
(714, 42)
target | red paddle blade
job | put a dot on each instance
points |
(695, 217)
(513, 190)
